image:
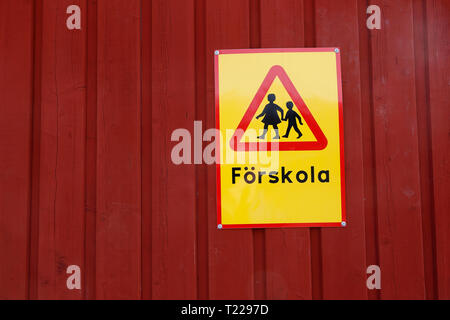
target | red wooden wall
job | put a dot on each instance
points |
(86, 176)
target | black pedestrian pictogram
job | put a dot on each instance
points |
(291, 117)
(271, 117)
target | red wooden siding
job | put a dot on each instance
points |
(16, 97)
(86, 177)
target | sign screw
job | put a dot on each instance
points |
(219, 227)
(336, 50)
(216, 52)
(343, 223)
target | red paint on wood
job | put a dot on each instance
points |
(146, 150)
(16, 58)
(424, 136)
(62, 147)
(368, 144)
(202, 189)
(343, 250)
(438, 12)
(173, 101)
(118, 221)
(88, 276)
(396, 154)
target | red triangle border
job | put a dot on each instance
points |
(278, 71)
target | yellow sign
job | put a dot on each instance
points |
(280, 150)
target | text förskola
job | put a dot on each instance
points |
(250, 176)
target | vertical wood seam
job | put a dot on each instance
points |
(89, 274)
(372, 178)
(141, 145)
(426, 167)
(35, 153)
(146, 152)
(201, 201)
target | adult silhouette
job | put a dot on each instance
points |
(271, 118)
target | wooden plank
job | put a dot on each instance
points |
(287, 252)
(16, 76)
(396, 144)
(438, 17)
(286, 28)
(231, 271)
(63, 107)
(424, 136)
(118, 243)
(344, 250)
(173, 107)
(146, 150)
(91, 151)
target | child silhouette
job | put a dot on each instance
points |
(291, 117)
(271, 117)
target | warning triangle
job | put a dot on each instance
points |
(278, 71)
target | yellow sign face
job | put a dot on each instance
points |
(280, 156)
